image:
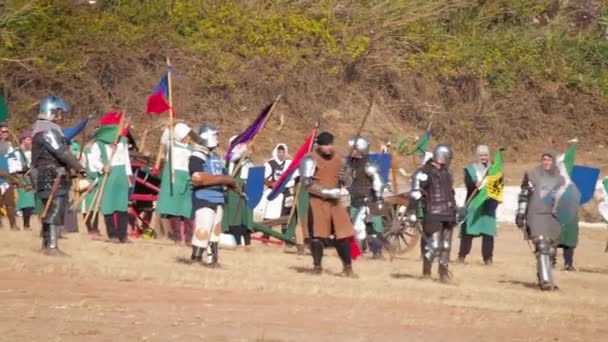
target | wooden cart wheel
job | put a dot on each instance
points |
(400, 235)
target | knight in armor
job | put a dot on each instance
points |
(238, 217)
(323, 173)
(175, 200)
(52, 161)
(535, 214)
(208, 178)
(7, 190)
(274, 168)
(484, 224)
(366, 193)
(433, 192)
(26, 201)
(113, 160)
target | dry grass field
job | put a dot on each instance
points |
(142, 292)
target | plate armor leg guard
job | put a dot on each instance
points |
(544, 254)
(444, 255)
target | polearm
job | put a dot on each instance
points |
(84, 194)
(424, 152)
(370, 108)
(171, 129)
(250, 143)
(99, 194)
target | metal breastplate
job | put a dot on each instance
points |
(45, 167)
(440, 197)
(362, 183)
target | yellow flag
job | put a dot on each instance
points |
(495, 186)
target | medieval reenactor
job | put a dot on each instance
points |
(52, 160)
(175, 197)
(26, 201)
(274, 168)
(366, 193)
(7, 190)
(89, 188)
(112, 161)
(208, 178)
(535, 215)
(484, 224)
(238, 217)
(433, 189)
(323, 172)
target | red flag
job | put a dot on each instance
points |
(112, 118)
(125, 131)
(157, 104)
(354, 249)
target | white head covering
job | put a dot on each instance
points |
(181, 131)
(276, 148)
(482, 149)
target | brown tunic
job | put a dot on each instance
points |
(327, 217)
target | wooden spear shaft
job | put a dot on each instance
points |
(240, 163)
(171, 128)
(99, 194)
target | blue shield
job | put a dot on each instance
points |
(383, 160)
(585, 179)
(254, 188)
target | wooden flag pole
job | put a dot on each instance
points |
(298, 187)
(99, 194)
(171, 128)
(240, 163)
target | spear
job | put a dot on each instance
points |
(171, 129)
(99, 194)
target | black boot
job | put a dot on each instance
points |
(44, 233)
(426, 267)
(197, 254)
(53, 240)
(216, 254)
(343, 249)
(316, 250)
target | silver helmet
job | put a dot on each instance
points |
(209, 136)
(49, 105)
(360, 145)
(442, 154)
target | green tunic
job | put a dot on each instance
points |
(236, 211)
(92, 176)
(301, 215)
(483, 221)
(178, 203)
(26, 199)
(116, 194)
(569, 234)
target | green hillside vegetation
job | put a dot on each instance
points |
(90, 51)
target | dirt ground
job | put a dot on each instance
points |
(144, 292)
